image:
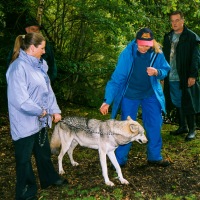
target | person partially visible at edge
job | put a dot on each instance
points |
(32, 26)
(136, 83)
(181, 86)
(32, 108)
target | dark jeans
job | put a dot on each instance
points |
(24, 148)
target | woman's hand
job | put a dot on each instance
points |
(151, 71)
(44, 112)
(56, 117)
(104, 108)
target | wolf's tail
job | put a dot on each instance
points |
(55, 140)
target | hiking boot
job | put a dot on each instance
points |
(159, 163)
(192, 127)
(190, 136)
(61, 182)
(179, 131)
(182, 123)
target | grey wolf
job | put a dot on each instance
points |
(105, 136)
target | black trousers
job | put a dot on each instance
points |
(37, 145)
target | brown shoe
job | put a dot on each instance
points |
(160, 163)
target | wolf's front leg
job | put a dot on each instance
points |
(102, 156)
(113, 159)
(73, 145)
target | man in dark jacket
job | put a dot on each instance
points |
(181, 86)
(33, 26)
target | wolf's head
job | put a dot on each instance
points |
(137, 130)
(128, 131)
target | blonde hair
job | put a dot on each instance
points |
(157, 46)
(25, 41)
(17, 45)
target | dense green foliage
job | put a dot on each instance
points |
(88, 36)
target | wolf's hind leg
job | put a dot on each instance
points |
(113, 159)
(73, 145)
(65, 145)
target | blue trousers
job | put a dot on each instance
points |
(152, 122)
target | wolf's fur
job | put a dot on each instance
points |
(105, 136)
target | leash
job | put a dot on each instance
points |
(43, 129)
(41, 142)
(84, 128)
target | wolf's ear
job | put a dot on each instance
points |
(128, 118)
(134, 128)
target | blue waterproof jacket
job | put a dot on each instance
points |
(117, 85)
(29, 92)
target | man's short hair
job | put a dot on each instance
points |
(177, 12)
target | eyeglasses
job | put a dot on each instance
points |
(175, 21)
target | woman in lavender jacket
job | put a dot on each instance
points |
(32, 108)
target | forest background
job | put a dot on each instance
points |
(87, 36)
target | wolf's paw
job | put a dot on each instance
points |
(110, 183)
(75, 163)
(61, 171)
(124, 181)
